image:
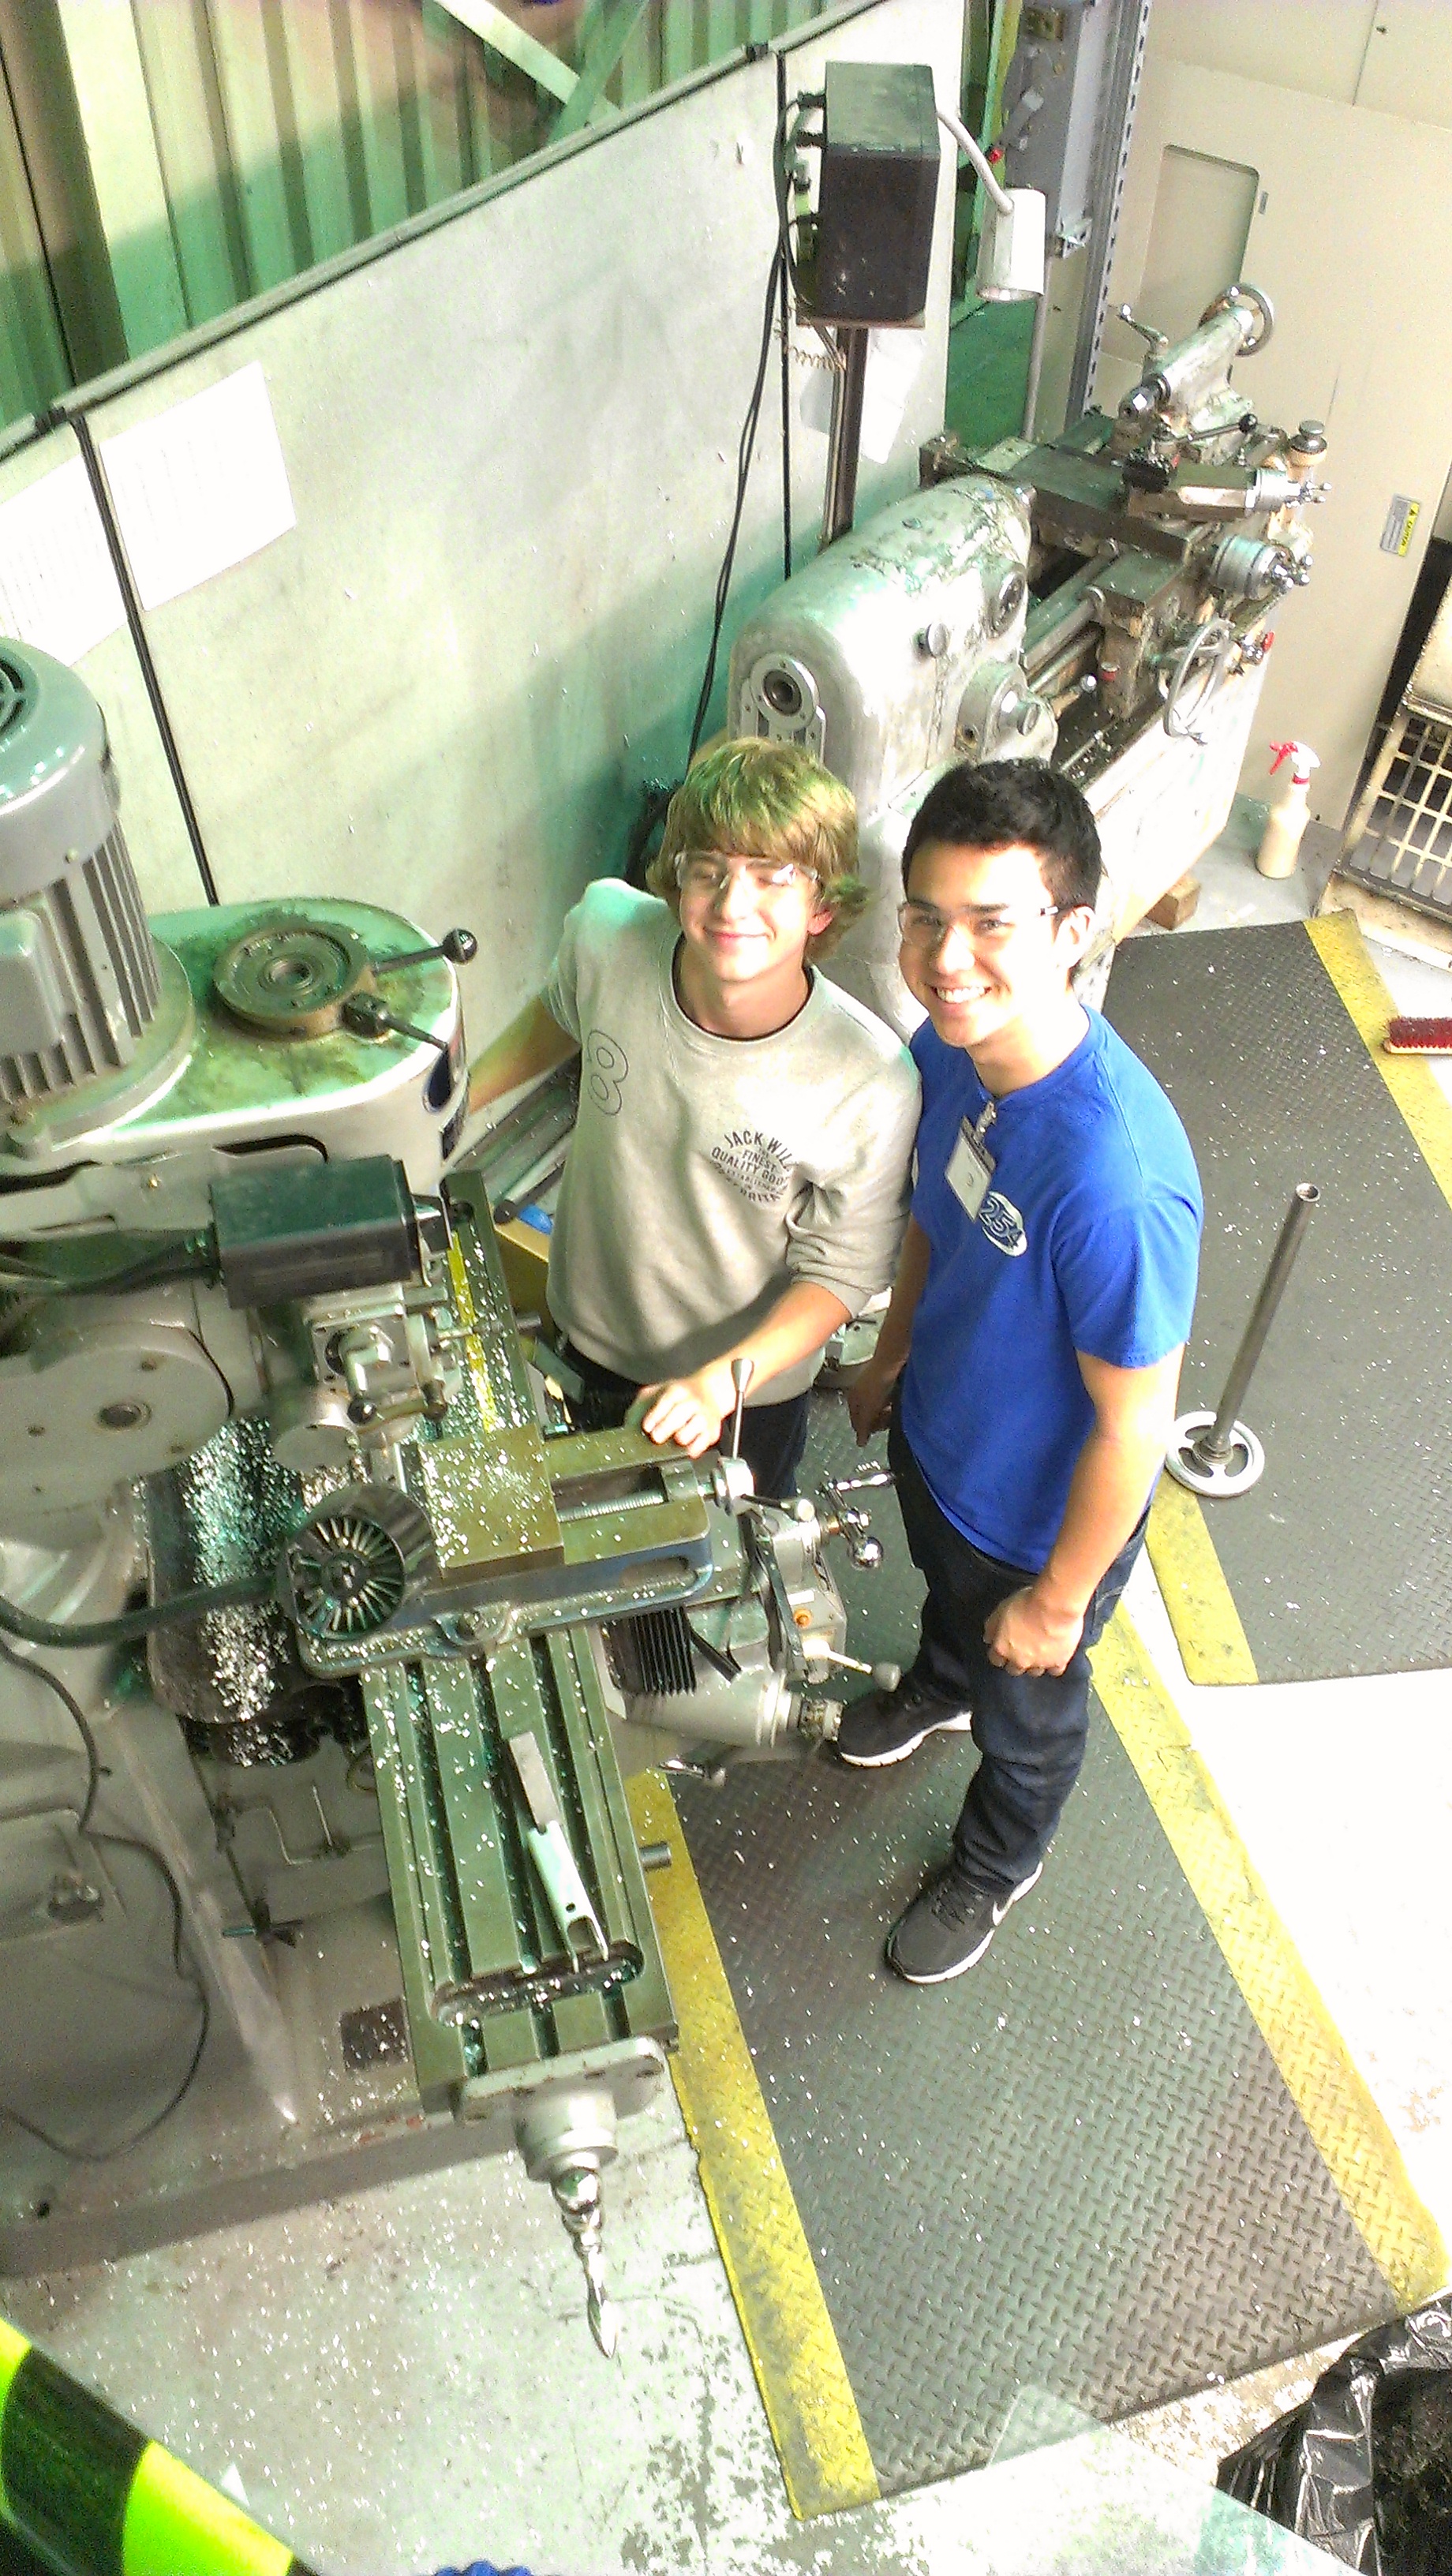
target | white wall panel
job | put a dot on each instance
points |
(511, 444)
(1407, 67)
(1313, 45)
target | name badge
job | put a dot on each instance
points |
(970, 1165)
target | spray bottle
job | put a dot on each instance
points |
(1289, 815)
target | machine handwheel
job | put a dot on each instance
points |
(1255, 296)
(351, 1563)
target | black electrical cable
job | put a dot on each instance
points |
(782, 274)
(115, 547)
(53, 1682)
(743, 471)
(148, 1852)
(190, 1257)
(131, 1624)
(785, 282)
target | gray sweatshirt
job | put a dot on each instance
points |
(707, 1174)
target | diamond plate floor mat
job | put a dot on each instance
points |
(1340, 1559)
(1124, 2157)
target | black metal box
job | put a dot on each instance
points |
(313, 1229)
(880, 157)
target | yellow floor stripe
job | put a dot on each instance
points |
(1212, 1642)
(1409, 1078)
(1353, 2138)
(794, 2349)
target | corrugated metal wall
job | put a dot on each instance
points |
(163, 160)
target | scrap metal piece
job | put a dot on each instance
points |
(558, 1868)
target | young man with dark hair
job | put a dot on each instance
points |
(1031, 1352)
(737, 1179)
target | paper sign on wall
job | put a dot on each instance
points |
(1401, 518)
(58, 586)
(201, 487)
(893, 360)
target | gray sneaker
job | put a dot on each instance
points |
(948, 1927)
(886, 1726)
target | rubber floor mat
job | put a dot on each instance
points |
(1340, 1559)
(1079, 2169)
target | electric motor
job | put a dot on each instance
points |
(80, 981)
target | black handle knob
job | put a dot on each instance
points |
(368, 1016)
(459, 946)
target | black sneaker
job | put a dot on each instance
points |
(948, 1927)
(886, 1726)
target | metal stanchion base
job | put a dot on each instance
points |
(1233, 1475)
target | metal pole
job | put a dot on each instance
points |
(742, 1371)
(845, 438)
(1215, 1453)
(784, 325)
(110, 529)
(1111, 161)
(1216, 1445)
(1036, 363)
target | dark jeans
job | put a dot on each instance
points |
(773, 1436)
(1030, 1728)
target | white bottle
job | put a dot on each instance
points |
(1280, 842)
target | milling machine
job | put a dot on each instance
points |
(322, 1623)
(1101, 601)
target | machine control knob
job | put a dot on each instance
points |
(72, 1898)
(459, 946)
(367, 1015)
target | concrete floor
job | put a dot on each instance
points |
(402, 2378)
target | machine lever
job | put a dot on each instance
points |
(742, 1371)
(368, 1016)
(885, 1675)
(506, 1210)
(459, 946)
(1154, 340)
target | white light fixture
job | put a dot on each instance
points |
(1011, 240)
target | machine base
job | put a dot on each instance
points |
(1233, 1475)
(227, 2155)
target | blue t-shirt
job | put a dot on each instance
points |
(1088, 1240)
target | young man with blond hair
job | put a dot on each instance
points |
(737, 1180)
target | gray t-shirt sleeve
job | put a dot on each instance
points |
(560, 993)
(849, 1232)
